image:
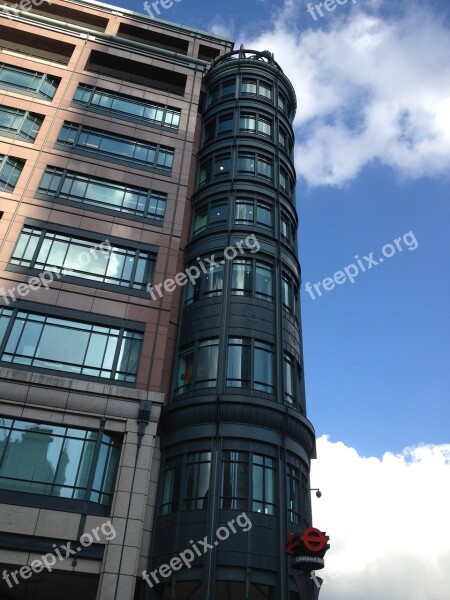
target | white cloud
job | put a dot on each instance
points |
(368, 88)
(388, 520)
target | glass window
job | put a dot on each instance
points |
(198, 478)
(244, 213)
(10, 170)
(282, 102)
(80, 137)
(247, 122)
(297, 491)
(250, 364)
(28, 82)
(239, 363)
(225, 125)
(289, 379)
(248, 86)
(19, 123)
(265, 168)
(213, 215)
(121, 104)
(246, 163)
(289, 293)
(222, 164)
(205, 173)
(209, 130)
(264, 215)
(73, 347)
(263, 484)
(229, 88)
(265, 127)
(197, 366)
(213, 95)
(172, 484)
(242, 277)
(84, 189)
(218, 214)
(235, 481)
(200, 220)
(206, 285)
(54, 460)
(41, 249)
(263, 281)
(265, 90)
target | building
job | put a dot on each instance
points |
(149, 287)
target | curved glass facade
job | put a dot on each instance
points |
(236, 440)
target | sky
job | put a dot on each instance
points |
(372, 79)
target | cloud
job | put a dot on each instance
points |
(370, 88)
(388, 520)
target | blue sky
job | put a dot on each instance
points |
(373, 162)
(376, 352)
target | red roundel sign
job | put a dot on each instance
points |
(314, 539)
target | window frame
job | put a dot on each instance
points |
(24, 118)
(44, 78)
(15, 166)
(247, 357)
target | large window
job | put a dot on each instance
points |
(248, 482)
(10, 170)
(297, 491)
(41, 249)
(250, 364)
(20, 124)
(128, 199)
(186, 489)
(197, 366)
(28, 82)
(53, 460)
(214, 214)
(226, 89)
(101, 142)
(253, 213)
(287, 230)
(252, 278)
(256, 87)
(289, 294)
(206, 284)
(221, 165)
(255, 123)
(71, 347)
(94, 97)
(252, 164)
(198, 477)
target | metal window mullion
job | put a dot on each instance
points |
(52, 485)
(8, 437)
(80, 462)
(120, 341)
(95, 457)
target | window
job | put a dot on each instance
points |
(100, 142)
(254, 87)
(253, 213)
(99, 98)
(251, 164)
(249, 86)
(72, 347)
(41, 249)
(297, 491)
(252, 278)
(198, 476)
(197, 366)
(213, 215)
(53, 460)
(103, 193)
(172, 482)
(287, 229)
(225, 125)
(228, 88)
(255, 123)
(250, 364)
(235, 481)
(282, 102)
(263, 479)
(20, 124)
(206, 285)
(248, 482)
(289, 379)
(221, 165)
(10, 170)
(28, 82)
(289, 294)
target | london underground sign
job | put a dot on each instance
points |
(307, 548)
(314, 539)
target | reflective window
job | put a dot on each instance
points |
(73, 347)
(289, 378)
(172, 483)
(21, 124)
(198, 479)
(228, 87)
(289, 293)
(220, 166)
(53, 460)
(206, 284)
(250, 364)
(121, 104)
(249, 86)
(10, 170)
(287, 229)
(253, 213)
(235, 480)
(101, 142)
(197, 366)
(252, 278)
(41, 249)
(76, 187)
(29, 82)
(297, 491)
(225, 124)
(256, 87)
(213, 215)
(255, 123)
(248, 482)
(255, 164)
